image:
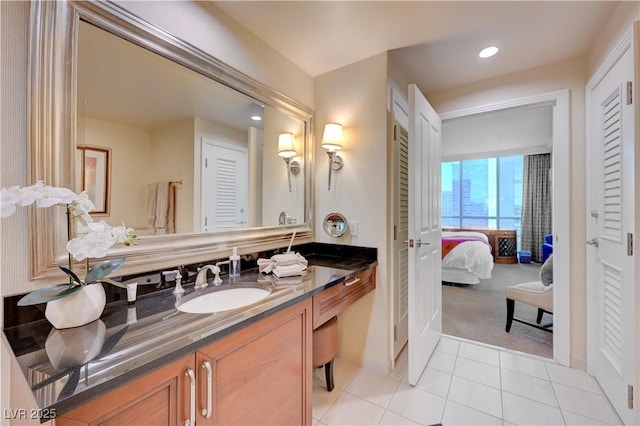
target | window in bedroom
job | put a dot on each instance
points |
(483, 193)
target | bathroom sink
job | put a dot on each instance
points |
(215, 299)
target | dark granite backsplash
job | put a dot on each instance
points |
(152, 281)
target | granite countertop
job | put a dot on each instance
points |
(65, 368)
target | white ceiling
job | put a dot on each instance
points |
(435, 42)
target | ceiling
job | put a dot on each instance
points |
(435, 42)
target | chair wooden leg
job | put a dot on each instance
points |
(510, 307)
(328, 374)
(539, 317)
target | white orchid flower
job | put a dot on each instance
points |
(82, 206)
(122, 234)
(94, 238)
(52, 195)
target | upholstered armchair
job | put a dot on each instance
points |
(536, 293)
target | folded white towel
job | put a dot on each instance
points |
(286, 258)
(284, 265)
(288, 270)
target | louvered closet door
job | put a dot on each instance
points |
(401, 250)
(612, 221)
(224, 186)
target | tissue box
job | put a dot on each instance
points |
(525, 256)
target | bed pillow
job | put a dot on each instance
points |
(546, 272)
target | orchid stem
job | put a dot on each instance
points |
(69, 237)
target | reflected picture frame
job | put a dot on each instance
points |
(94, 164)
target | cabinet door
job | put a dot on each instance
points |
(261, 374)
(159, 398)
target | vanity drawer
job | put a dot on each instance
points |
(336, 299)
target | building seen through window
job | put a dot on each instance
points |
(482, 193)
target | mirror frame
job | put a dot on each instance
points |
(52, 135)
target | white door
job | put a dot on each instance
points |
(224, 187)
(612, 220)
(425, 264)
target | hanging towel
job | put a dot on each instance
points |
(161, 207)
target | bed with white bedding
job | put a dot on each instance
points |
(466, 257)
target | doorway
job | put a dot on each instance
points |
(495, 185)
(561, 202)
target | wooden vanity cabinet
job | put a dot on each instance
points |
(261, 374)
(159, 398)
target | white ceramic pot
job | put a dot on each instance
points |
(82, 307)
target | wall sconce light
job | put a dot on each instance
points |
(286, 150)
(332, 142)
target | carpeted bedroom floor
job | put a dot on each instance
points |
(478, 312)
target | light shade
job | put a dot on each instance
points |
(285, 145)
(332, 137)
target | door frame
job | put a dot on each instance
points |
(561, 206)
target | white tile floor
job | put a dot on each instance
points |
(464, 384)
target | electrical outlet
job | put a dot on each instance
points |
(353, 227)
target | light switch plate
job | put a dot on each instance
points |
(353, 227)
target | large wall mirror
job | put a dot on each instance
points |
(148, 123)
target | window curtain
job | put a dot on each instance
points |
(536, 203)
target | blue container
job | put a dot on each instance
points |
(525, 256)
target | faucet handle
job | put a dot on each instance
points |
(178, 289)
(216, 271)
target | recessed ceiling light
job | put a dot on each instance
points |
(488, 52)
(256, 118)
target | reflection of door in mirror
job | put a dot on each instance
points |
(224, 186)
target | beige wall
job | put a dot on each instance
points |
(355, 96)
(275, 186)
(198, 23)
(129, 170)
(625, 14)
(171, 160)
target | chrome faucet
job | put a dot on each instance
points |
(201, 278)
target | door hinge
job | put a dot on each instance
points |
(630, 397)
(629, 244)
(206, 163)
(395, 132)
(629, 93)
(205, 221)
(395, 232)
(395, 332)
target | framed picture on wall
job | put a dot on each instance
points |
(94, 177)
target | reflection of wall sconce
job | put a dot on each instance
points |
(286, 150)
(332, 142)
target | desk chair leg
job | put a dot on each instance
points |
(328, 374)
(510, 307)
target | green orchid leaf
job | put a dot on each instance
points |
(113, 282)
(102, 269)
(48, 294)
(71, 275)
